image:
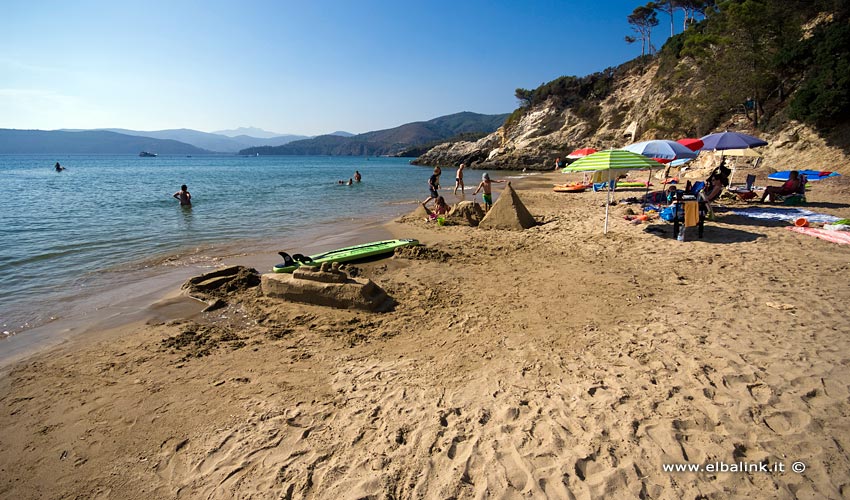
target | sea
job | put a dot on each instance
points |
(108, 221)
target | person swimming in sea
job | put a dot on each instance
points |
(59, 167)
(183, 196)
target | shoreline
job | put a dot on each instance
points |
(160, 280)
(139, 297)
(551, 362)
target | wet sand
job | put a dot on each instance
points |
(553, 362)
(149, 295)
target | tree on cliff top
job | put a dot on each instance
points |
(643, 19)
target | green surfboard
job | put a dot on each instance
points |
(342, 254)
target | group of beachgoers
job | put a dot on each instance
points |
(440, 205)
(185, 198)
(351, 180)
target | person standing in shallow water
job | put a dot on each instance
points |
(459, 178)
(183, 196)
(357, 176)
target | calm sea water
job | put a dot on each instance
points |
(62, 234)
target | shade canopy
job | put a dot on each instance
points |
(692, 144)
(811, 175)
(731, 140)
(661, 150)
(581, 153)
(616, 159)
(738, 152)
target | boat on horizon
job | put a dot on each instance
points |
(147, 155)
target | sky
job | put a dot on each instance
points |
(308, 67)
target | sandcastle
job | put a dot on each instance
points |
(326, 286)
(508, 212)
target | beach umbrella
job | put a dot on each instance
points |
(692, 144)
(730, 140)
(581, 153)
(738, 152)
(811, 175)
(609, 160)
(661, 151)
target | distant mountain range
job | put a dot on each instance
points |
(193, 142)
(88, 142)
(219, 143)
(250, 132)
(394, 141)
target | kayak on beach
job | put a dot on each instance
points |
(291, 263)
(570, 188)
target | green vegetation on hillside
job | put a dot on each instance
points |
(772, 60)
(579, 93)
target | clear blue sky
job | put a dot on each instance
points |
(302, 67)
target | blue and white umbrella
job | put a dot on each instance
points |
(661, 150)
(730, 140)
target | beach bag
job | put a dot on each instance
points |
(668, 214)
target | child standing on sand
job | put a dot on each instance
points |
(486, 186)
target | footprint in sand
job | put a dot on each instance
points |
(171, 465)
(787, 422)
(760, 392)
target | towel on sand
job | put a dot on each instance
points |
(840, 237)
(784, 214)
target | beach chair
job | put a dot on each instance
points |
(798, 197)
(745, 192)
(696, 188)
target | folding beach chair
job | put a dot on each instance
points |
(746, 192)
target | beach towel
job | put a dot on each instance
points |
(840, 237)
(783, 214)
(691, 213)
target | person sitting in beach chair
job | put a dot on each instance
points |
(716, 182)
(713, 190)
(792, 186)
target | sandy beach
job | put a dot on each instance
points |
(553, 362)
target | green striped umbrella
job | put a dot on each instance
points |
(616, 159)
(610, 160)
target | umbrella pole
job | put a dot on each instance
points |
(643, 205)
(607, 202)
